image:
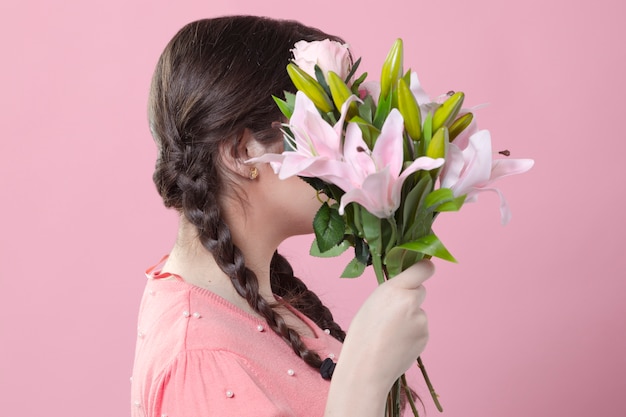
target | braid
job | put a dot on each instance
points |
(202, 210)
(296, 293)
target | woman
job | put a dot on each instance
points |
(224, 327)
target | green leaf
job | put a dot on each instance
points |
(398, 259)
(366, 110)
(357, 83)
(355, 66)
(288, 142)
(443, 199)
(429, 245)
(370, 132)
(414, 199)
(284, 107)
(332, 252)
(427, 134)
(362, 251)
(319, 75)
(372, 232)
(316, 183)
(290, 98)
(438, 197)
(453, 205)
(382, 111)
(354, 269)
(329, 227)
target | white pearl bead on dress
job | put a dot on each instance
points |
(197, 315)
(291, 372)
(185, 313)
(260, 327)
(230, 394)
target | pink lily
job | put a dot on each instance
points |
(472, 170)
(376, 179)
(317, 144)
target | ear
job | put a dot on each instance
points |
(239, 150)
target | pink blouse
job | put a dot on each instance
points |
(198, 355)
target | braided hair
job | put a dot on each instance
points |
(214, 80)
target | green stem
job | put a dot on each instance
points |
(433, 394)
(394, 400)
(409, 396)
(377, 263)
(394, 238)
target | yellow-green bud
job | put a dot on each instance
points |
(339, 90)
(392, 69)
(309, 86)
(410, 110)
(446, 113)
(460, 125)
(437, 145)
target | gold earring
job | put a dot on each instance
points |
(254, 173)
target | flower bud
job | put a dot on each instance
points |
(446, 113)
(392, 69)
(339, 90)
(460, 125)
(309, 86)
(437, 146)
(410, 110)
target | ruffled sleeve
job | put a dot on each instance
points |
(208, 383)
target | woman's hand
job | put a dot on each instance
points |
(385, 338)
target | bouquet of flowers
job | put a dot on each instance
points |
(388, 160)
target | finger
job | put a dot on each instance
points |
(415, 275)
(421, 295)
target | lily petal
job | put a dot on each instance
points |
(344, 112)
(424, 163)
(417, 90)
(451, 172)
(505, 167)
(357, 154)
(477, 157)
(312, 133)
(373, 195)
(388, 150)
(505, 212)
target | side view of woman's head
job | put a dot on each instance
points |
(215, 79)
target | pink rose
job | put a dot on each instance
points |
(328, 55)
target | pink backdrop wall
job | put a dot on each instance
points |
(532, 321)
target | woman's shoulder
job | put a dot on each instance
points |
(180, 316)
(194, 344)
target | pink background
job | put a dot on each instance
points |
(532, 321)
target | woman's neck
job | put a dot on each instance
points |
(197, 266)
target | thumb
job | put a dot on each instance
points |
(415, 275)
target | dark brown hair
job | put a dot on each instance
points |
(214, 80)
